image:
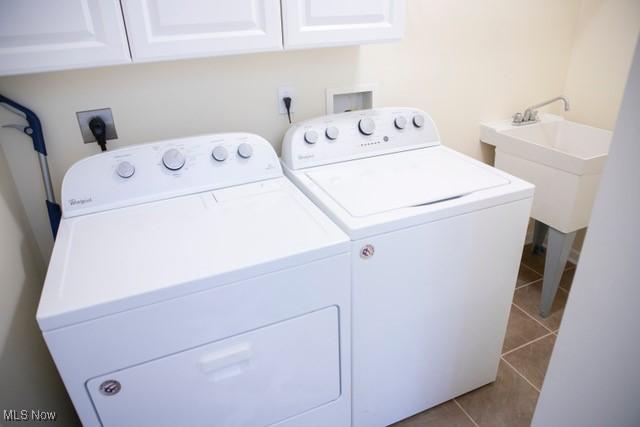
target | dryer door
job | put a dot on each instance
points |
(400, 180)
(253, 379)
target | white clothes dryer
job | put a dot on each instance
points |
(192, 284)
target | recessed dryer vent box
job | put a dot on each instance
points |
(359, 97)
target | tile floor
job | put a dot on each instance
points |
(511, 399)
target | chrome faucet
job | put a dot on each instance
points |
(530, 115)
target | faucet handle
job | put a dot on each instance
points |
(517, 118)
(527, 115)
(534, 116)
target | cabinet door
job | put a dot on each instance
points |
(169, 29)
(321, 23)
(43, 35)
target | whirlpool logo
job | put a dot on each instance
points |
(80, 202)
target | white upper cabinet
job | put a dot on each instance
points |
(46, 35)
(43, 35)
(170, 29)
(321, 23)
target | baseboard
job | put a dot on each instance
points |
(573, 256)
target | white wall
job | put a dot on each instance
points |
(594, 375)
(27, 376)
(463, 62)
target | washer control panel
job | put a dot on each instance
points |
(357, 134)
(165, 169)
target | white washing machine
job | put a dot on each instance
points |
(436, 243)
(192, 284)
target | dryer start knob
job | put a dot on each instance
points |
(173, 159)
(311, 137)
(245, 150)
(366, 126)
(125, 169)
(418, 120)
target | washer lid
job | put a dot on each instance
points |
(411, 178)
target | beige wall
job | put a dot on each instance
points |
(603, 43)
(27, 376)
(463, 62)
(604, 40)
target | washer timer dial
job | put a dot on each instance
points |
(366, 126)
(173, 159)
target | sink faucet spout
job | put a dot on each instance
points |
(530, 115)
(557, 98)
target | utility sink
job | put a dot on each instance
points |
(563, 159)
(565, 145)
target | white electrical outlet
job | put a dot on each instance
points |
(283, 92)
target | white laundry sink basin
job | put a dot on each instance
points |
(570, 146)
(563, 159)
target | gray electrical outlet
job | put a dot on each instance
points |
(84, 117)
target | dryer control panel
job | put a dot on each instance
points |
(165, 169)
(357, 134)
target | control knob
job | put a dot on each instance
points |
(245, 150)
(173, 159)
(219, 153)
(400, 122)
(311, 137)
(125, 169)
(366, 126)
(418, 120)
(332, 132)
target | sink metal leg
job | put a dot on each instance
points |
(539, 233)
(558, 248)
